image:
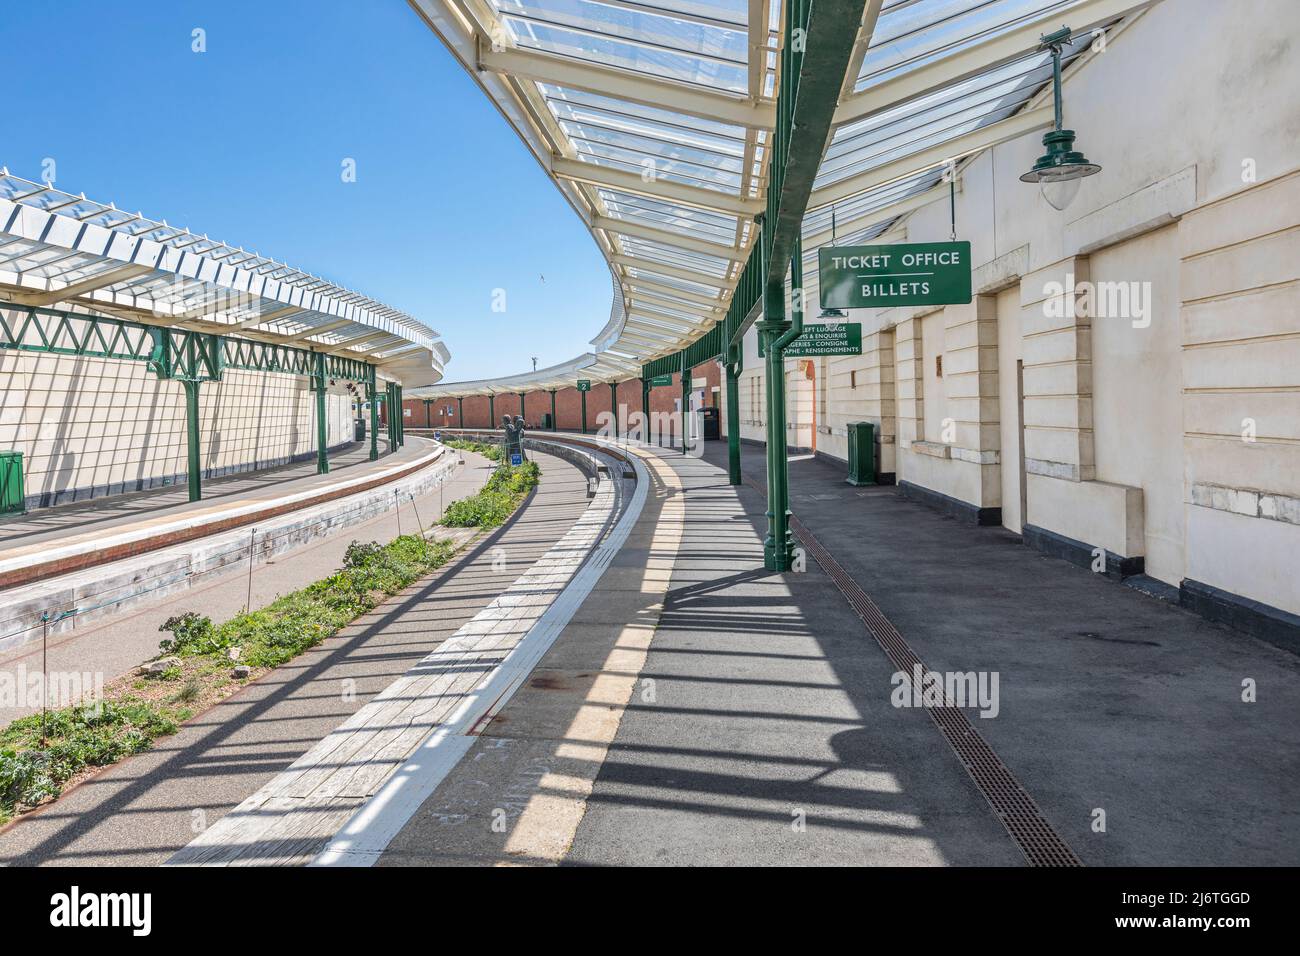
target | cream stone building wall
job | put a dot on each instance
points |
(89, 427)
(1163, 428)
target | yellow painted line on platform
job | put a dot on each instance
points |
(549, 822)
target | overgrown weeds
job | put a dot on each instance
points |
(498, 500)
(40, 753)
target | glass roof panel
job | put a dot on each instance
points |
(665, 46)
(685, 173)
(658, 252)
(633, 112)
(649, 273)
(651, 147)
(909, 35)
(653, 130)
(850, 212)
(694, 222)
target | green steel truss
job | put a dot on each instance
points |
(190, 357)
(172, 353)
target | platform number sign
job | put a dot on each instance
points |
(584, 385)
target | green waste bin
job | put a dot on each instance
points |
(862, 453)
(12, 498)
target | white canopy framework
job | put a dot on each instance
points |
(64, 250)
(654, 118)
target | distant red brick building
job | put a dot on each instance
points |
(445, 412)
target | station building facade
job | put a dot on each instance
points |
(1126, 378)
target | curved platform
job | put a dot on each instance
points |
(71, 537)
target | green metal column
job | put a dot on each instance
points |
(734, 363)
(555, 424)
(645, 405)
(400, 394)
(192, 438)
(776, 333)
(776, 546)
(583, 396)
(388, 414)
(372, 396)
(492, 410)
(613, 405)
(522, 412)
(686, 405)
(319, 383)
(460, 412)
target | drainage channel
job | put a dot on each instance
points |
(1011, 802)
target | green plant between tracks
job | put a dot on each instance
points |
(498, 500)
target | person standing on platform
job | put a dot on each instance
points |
(519, 433)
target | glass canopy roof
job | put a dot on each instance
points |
(64, 250)
(655, 116)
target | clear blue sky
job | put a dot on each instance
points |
(245, 143)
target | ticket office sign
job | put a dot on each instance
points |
(882, 277)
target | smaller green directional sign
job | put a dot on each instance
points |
(661, 380)
(829, 338)
(584, 385)
(900, 273)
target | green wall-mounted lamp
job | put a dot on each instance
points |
(1060, 170)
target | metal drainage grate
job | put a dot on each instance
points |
(1014, 807)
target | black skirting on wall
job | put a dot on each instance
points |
(961, 510)
(1268, 623)
(1080, 552)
